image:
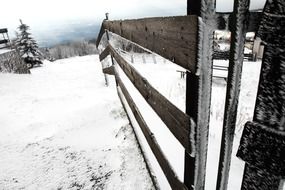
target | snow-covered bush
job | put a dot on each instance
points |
(11, 62)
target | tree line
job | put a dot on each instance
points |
(71, 49)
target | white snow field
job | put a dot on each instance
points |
(61, 128)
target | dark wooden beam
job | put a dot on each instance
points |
(3, 41)
(194, 7)
(192, 97)
(109, 70)
(263, 139)
(174, 38)
(198, 93)
(104, 53)
(238, 26)
(3, 30)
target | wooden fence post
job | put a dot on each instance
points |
(108, 38)
(198, 95)
(238, 32)
(262, 145)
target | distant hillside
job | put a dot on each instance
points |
(65, 33)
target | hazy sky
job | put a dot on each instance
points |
(47, 17)
(45, 11)
(41, 11)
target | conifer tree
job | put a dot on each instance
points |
(27, 46)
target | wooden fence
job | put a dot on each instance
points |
(185, 40)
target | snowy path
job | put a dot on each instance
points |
(61, 128)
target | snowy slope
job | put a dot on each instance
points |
(61, 128)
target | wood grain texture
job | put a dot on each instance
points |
(263, 147)
(109, 70)
(177, 121)
(238, 26)
(264, 166)
(3, 41)
(171, 176)
(3, 30)
(174, 38)
(104, 53)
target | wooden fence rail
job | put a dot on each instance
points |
(175, 37)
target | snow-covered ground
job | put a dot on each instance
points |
(61, 128)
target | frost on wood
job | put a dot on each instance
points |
(269, 112)
(126, 45)
(238, 29)
(271, 98)
(129, 50)
(270, 103)
(262, 143)
(259, 152)
(272, 26)
(198, 96)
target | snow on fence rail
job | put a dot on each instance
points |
(185, 40)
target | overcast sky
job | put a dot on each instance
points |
(43, 11)
(47, 16)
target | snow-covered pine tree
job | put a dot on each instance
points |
(27, 46)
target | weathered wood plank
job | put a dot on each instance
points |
(177, 121)
(269, 125)
(100, 35)
(263, 147)
(3, 41)
(198, 95)
(171, 176)
(104, 53)
(269, 115)
(3, 30)
(174, 38)
(109, 70)
(238, 26)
